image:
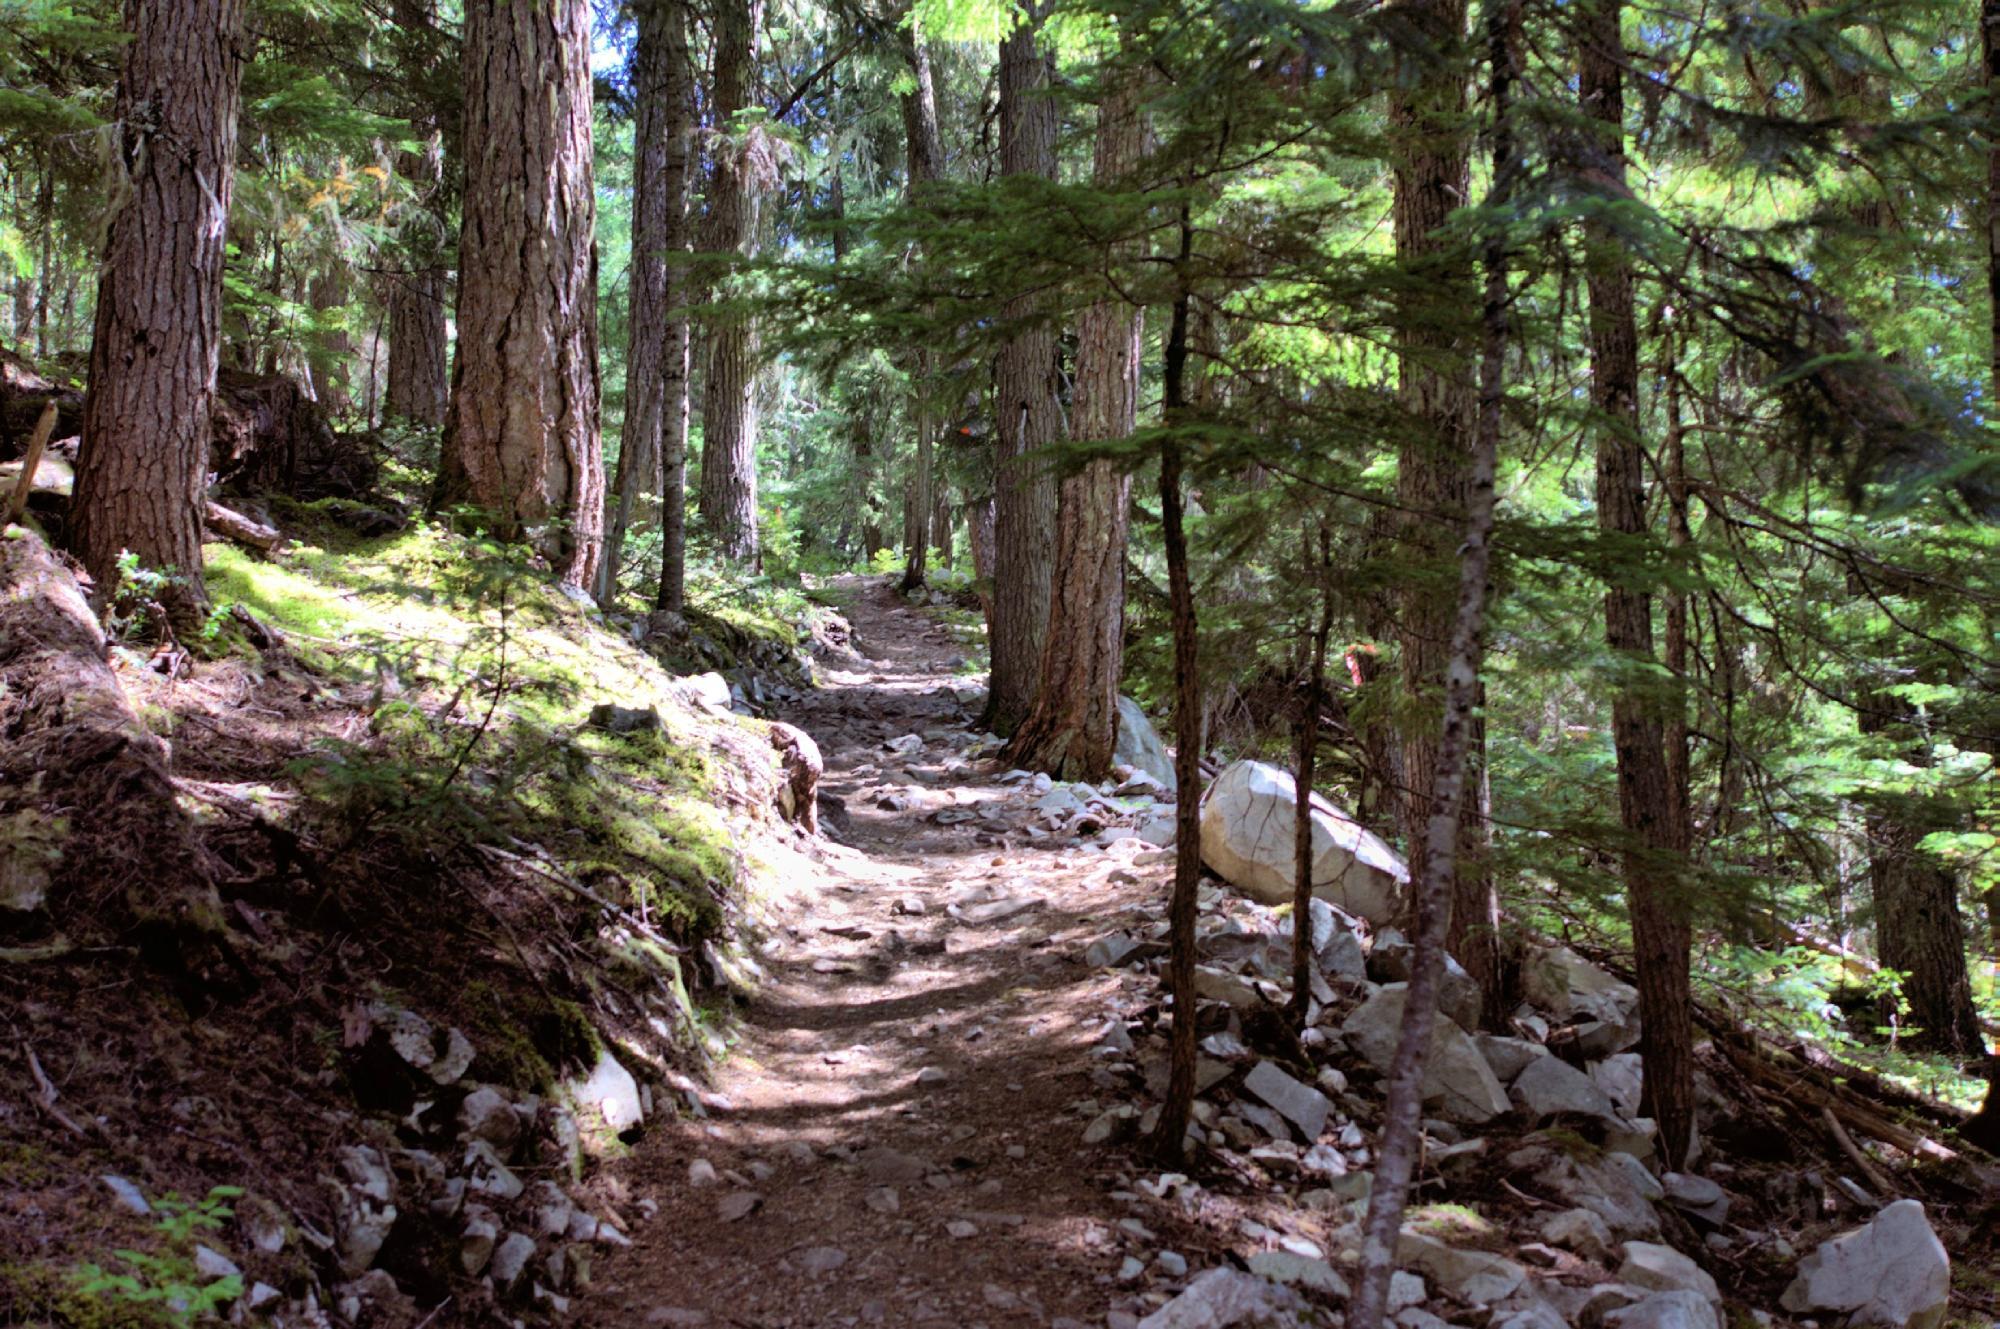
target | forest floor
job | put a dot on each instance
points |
(895, 1110)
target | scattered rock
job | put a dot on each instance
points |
(1296, 1270)
(1893, 1271)
(1698, 1196)
(1615, 1187)
(364, 1207)
(1247, 819)
(616, 719)
(1578, 1230)
(1223, 1298)
(958, 1229)
(701, 1173)
(212, 1263)
(510, 1258)
(737, 1205)
(1457, 1078)
(1659, 1268)
(1508, 1056)
(1550, 1087)
(1138, 744)
(130, 1198)
(819, 1261)
(883, 1199)
(1479, 1277)
(1302, 1105)
(1680, 1309)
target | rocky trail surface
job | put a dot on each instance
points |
(958, 1024)
(890, 1143)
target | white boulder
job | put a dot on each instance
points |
(1248, 818)
(1893, 1271)
(1138, 744)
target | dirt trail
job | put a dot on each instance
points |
(898, 1104)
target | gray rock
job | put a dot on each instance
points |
(1615, 1187)
(510, 1258)
(1577, 1230)
(1335, 944)
(1302, 1105)
(890, 1167)
(552, 1209)
(1680, 1309)
(1247, 820)
(130, 1198)
(1698, 1196)
(819, 1261)
(610, 1089)
(1223, 1298)
(1405, 1290)
(1570, 988)
(1109, 952)
(1139, 744)
(259, 1296)
(476, 1242)
(488, 1114)
(1622, 1078)
(1459, 997)
(737, 1205)
(212, 1263)
(1550, 1087)
(1893, 1271)
(1296, 1270)
(1659, 1268)
(701, 1173)
(364, 1207)
(1457, 1079)
(488, 1175)
(1479, 1277)
(1508, 1056)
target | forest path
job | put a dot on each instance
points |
(898, 1110)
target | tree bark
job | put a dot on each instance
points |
(1030, 415)
(1303, 772)
(1071, 727)
(157, 342)
(1439, 391)
(419, 387)
(1656, 840)
(677, 176)
(1401, 1139)
(521, 438)
(925, 164)
(729, 381)
(659, 199)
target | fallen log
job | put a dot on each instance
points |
(233, 525)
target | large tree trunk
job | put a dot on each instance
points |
(676, 176)
(154, 351)
(419, 387)
(729, 380)
(521, 440)
(1439, 392)
(659, 200)
(1656, 835)
(1400, 1143)
(1072, 725)
(925, 164)
(1030, 415)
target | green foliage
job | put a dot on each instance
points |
(163, 1287)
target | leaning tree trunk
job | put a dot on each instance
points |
(521, 440)
(657, 195)
(1656, 845)
(1072, 726)
(729, 381)
(1439, 391)
(1400, 1144)
(154, 351)
(1024, 382)
(925, 164)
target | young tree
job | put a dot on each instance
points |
(656, 405)
(158, 338)
(521, 440)
(1662, 935)
(1072, 725)
(924, 157)
(1024, 398)
(729, 381)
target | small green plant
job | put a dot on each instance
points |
(166, 1286)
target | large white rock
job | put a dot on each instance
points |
(1248, 818)
(1894, 1272)
(1550, 1087)
(1456, 1076)
(1666, 1310)
(611, 1089)
(1658, 1268)
(1302, 1105)
(1138, 744)
(1476, 1276)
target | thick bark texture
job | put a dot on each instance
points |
(674, 360)
(1400, 1144)
(925, 163)
(655, 385)
(1072, 726)
(154, 351)
(729, 381)
(1656, 835)
(1030, 416)
(419, 386)
(1303, 774)
(1439, 392)
(1170, 1133)
(521, 439)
